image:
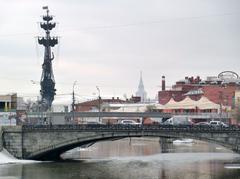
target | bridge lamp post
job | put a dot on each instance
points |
(99, 103)
(221, 99)
(73, 100)
(39, 111)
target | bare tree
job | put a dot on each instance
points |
(236, 112)
(150, 108)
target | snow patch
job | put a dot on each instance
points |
(232, 166)
(7, 158)
(183, 141)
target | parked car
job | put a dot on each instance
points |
(218, 124)
(129, 122)
(202, 124)
(94, 124)
(224, 124)
(178, 120)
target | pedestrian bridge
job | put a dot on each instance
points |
(49, 142)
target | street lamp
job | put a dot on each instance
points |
(38, 107)
(99, 103)
(73, 100)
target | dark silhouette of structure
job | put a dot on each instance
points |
(48, 90)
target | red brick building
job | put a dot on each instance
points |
(93, 105)
(216, 89)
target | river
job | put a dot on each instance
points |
(136, 158)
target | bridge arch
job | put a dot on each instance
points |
(53, 152)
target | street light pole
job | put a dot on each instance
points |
(221, 100)
(73, 100)
(99, 104)
(38, 107)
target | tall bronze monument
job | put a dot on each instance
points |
(47, 82)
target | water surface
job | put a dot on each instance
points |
(136, 158)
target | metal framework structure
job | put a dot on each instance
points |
(228, 75)
(47, 82)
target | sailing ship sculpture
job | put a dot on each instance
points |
(47, 82)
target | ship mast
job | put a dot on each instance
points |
(47, 82)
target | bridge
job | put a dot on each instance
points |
(49, 142)
(99, 114)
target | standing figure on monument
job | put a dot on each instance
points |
(47, 82)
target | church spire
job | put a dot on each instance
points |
(141, 92)
(141, 86)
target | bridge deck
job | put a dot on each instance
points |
(121, 127)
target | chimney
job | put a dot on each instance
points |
(163, 83)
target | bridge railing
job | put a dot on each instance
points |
(121, 127)
(205, 115)
(127, 114)
(98, 114)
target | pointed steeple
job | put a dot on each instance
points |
(140, 85)
(141, 92)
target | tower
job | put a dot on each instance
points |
(47, 82)
(163, 83)
(141, 92)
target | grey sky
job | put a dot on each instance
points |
(108, 42)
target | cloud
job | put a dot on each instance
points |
(107, 43)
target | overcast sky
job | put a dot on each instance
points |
(107, 43)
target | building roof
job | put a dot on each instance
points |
(188, 103)
(140, 107)
(6, 98)
(194, 92)
(127, 107)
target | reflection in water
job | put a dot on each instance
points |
(138, 159)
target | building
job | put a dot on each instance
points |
(216, 94)
(236, 110)
(141, 91)
(217, 90)
(128, 107)
(187, 105)
(93, 105)
(8, 107)
(8, 102)
(104, 105)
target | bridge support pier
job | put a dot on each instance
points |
(236, 148)
(12, 140)
(1, 139)
(165, 143)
